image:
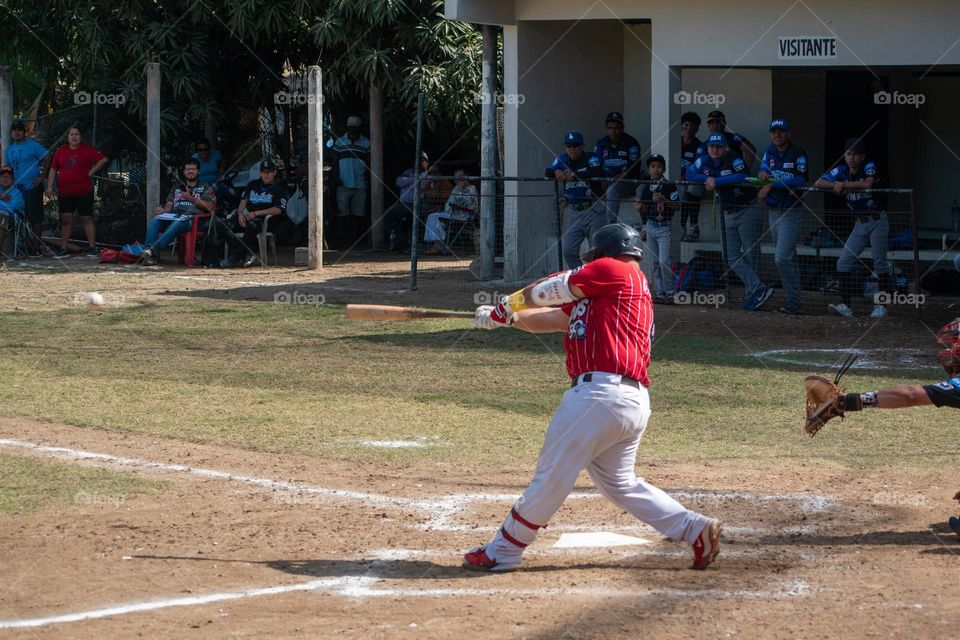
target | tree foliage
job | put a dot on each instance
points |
(227, 59)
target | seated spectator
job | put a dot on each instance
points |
(263, 197)
(185, 201)
(209, 159)
(397, 219)
(11, 204)
(462, 205)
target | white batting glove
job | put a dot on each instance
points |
(482, 318)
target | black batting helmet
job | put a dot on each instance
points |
(614, 240)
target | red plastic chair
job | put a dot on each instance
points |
(187, 242)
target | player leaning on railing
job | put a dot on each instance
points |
(827, 400)
(606, 312)
(853, 179)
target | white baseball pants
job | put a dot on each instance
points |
(597, 427)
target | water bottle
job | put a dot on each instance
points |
(955, 214)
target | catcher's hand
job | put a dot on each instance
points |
(826, 400)
(823, 403)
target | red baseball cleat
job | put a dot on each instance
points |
(707, 545)
(478, 560)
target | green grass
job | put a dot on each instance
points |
(301, 379)
(28, 485)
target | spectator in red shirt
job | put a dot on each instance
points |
(73, 165)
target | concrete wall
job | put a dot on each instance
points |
(880, 32)
(567, 83)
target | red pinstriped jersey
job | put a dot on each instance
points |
(612, 327)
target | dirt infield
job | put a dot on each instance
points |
(255, 544)
(291, 546)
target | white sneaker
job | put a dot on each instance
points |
(842, 310)
(879, 311)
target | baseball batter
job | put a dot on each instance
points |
(605, 310)
(826, 400)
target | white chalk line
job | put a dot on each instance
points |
(363, 587)
(441, 510)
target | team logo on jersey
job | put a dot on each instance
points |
(578, 320)
(953, 382)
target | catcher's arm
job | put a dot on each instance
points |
(826, 400)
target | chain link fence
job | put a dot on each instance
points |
(801, 257)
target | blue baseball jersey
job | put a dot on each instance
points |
(944, 394)
(618, 158)
(856, 200)
(26, 159)
(734, 141)
(788, 168)
(581, 189)
(14, 203)
(729, 174)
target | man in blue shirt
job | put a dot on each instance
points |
(784, 169)
(25, 156)
(850, 180)
(739, 145)
(11, 205)
(352, 154)
(584, 210)
(619, 155)
(725, 173)
(209, 159)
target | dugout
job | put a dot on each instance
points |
(888, 71)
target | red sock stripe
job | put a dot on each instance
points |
(509, 538)
(527, 524)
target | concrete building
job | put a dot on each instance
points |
(884, 70)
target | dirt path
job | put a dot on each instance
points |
(371, 551)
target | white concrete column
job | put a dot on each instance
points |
(488, 154)
(314, 169)
(6, 108)
(665, 113)
(153, 138)
(511, 123)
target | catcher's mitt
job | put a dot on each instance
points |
(825, 398)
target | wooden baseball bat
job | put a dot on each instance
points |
(385, 312)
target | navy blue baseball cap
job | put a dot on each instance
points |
(656, 157)
(268, 165)
(716, 115)
(779, 123)
(614, 116)
(717, 140)
(573, 139)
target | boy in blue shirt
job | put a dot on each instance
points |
(11, 205)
